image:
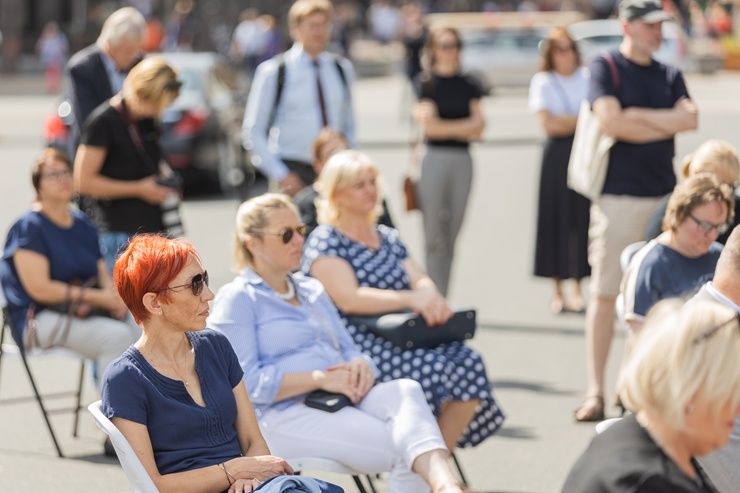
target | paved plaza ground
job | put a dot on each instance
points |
(535, 360)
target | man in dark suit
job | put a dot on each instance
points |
(96, 73)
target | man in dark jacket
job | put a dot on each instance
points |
(96, 73)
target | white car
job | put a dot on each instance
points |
(502, 48)
(597, 36)
(503, 56)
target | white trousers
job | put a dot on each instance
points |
(387, 431)
(99, 338)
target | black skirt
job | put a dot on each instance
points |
(562, 221)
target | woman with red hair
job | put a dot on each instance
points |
(177, 394)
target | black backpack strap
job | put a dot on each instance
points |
(342, 75)
(281, 83)
(279, 88)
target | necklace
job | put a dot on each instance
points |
(288, 295)
(184, 380)
(155, 359)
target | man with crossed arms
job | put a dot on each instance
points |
(643, 104)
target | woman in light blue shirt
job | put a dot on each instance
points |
(290, 341)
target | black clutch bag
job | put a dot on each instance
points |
(410, 331)
(330, 402)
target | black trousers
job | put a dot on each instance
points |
(303, 169)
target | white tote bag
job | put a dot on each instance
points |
(589, 156)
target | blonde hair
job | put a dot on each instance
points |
(712, 156)
(123, 24)
(151, 81)
(251, 222)
(678, 358)
(340, 171)
(303, 8)
(697, 190)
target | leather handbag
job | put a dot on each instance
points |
(410, 180)
(589, 156)
(409, 330)
(409, 192)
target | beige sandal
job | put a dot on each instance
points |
(590, 410)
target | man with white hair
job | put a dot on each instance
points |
(97, 72)
(722, 465)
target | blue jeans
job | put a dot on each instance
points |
(111, 244)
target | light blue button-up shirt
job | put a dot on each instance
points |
(115, 77)
(272, 337)
(297, 119)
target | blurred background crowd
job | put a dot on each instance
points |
(371, 30)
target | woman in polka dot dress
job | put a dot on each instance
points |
(366, 269)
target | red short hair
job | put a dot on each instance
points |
(148, 265)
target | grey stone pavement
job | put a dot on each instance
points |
(534, 359)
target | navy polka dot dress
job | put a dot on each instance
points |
(449, 372)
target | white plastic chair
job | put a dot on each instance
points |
(602, 426)
(132, 466)
(624, 261)
(328, 465)
(142, 482)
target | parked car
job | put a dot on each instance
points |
(201, 129)
(596, 36)
(502, 48)
(502, 56)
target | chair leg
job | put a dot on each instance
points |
(2, 340)
(41, 403)
(370, 482)
(78, 397)
(459, 469)
(359, 484)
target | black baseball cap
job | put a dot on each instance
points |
(648, 11)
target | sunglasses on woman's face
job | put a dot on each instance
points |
(447, 46)
(563, 48)
(287, 234)
(196, 284)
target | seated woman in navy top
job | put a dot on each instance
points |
(684, 256)
(52, 258)
(290, 341)
(177, 393)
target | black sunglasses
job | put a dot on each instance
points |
(713, 330)
(197, 283)
(287, 234)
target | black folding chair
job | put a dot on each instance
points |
(463, 479)
(12, 347)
